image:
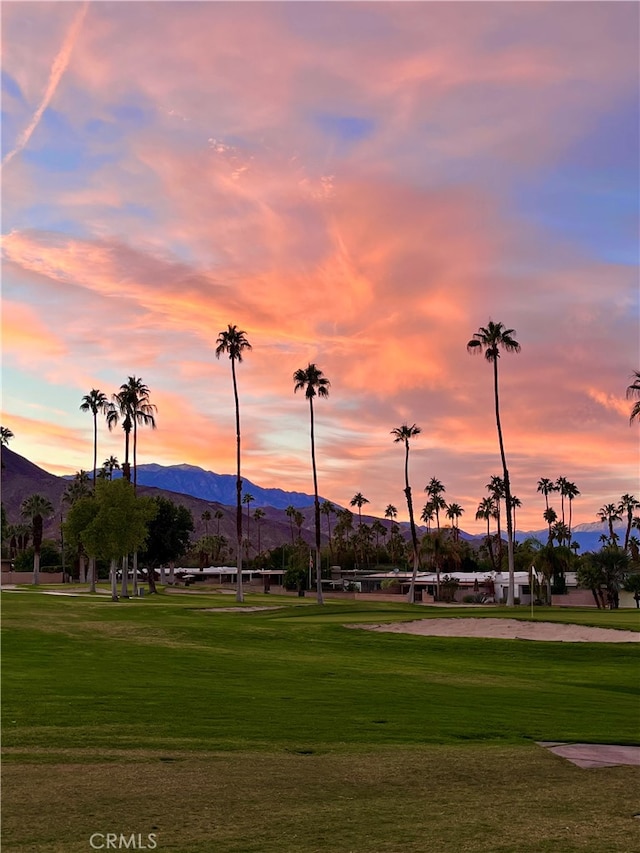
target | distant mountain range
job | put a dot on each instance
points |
(201, 490)
(221, 488)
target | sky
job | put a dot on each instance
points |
(356, 185)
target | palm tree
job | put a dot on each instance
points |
(487, 510)
(110, 465)
(551, 517)
(427, 514)
(313, 383)
(435, 490)
(359, 500)
(234, 343)
(131, 404)
(546, 486)
(627, 506)
(258, 515)
(490, 340)
(78, 488)
(247, 499)
(561, 486)
(571, 492)
(97, 403)
(633, 390)
(327, 508)
(495, 487)
(454, 511)
(218, 515)
(206, 517)
(290, 511)
(608, 514)
(5, 435)
(403, 434)
(36, 508)
(516, 503)
(390, 512)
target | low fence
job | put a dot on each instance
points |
(27, 577)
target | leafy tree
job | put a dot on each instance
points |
(36, 508)
(633, 390)
(233, 342)
(359, 500)
(312, 381)
(50, 558)
(119, 527)
(82, 512)
(490, 340)
(168, 533)
(404, 434)
(97, 403)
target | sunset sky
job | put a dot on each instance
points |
(359, 185)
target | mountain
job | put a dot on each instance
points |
(209, 486)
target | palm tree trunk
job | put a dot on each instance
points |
(81, 569)
(507, 491)
(36, 566)
(414, 537)
(95, 447)
(135, 575)
(114, 580)
(239, 592)
(124, 586)
(316, 508)
(92, 574)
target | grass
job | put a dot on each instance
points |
(283, 731)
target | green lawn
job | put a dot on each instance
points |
(284, 731)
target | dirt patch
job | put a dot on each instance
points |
(507, 629)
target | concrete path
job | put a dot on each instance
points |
(595, 754)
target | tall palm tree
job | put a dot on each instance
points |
(627, 506)
(561, 486)
(97, 403)
(495, 487)
(206, 517)
(486, 511)
(327, 508)
(258, 515)
(435, 490)
(571, 492)
(233, 342)
(132, 405)
(247, 499)
(545, 487)
(218, 515)
(551, 517)
(359, 500)
(608, 514)
(290, 511)
(35, 509)
(428, 512)
(633, 390)
(404, 434)
(390, 512)
(516, 503)
(5, 435)
(454, 511)
(110, 465)
(313, 383)
(491, 339)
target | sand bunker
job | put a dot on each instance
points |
(506, 629)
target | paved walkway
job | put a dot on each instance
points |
(595, 754)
